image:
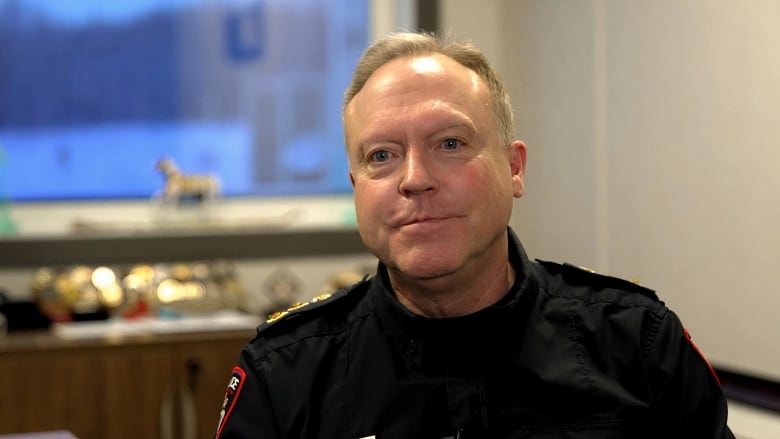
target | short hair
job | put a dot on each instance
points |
(403, 44)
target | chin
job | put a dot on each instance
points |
(421, 266)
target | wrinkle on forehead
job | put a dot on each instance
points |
(403, 81)
(422, 117)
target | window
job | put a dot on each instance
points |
(93, 93)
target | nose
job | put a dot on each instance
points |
(419, 174)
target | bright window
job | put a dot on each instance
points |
(93, 93)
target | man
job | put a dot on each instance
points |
(459, 334)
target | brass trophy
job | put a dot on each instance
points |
(72, 293)
(77, 292)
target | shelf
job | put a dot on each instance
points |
(168, 246)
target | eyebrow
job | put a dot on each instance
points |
(454, 121)
(467, 126)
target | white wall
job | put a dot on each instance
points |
(653, 131)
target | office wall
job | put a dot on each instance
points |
(653, 131)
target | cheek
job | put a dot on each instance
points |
(368, 200)
(488, 185)
(489, 175)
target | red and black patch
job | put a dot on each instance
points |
(231, 395)
(701, 354)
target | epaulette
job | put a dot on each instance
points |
(590, 276)
(299, 308)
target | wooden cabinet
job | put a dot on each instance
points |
(166, 387)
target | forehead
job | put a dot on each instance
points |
(407, 83)
(410, 73)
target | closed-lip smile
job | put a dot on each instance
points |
(422, 220)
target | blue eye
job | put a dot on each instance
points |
(379, 156)
(450, 144)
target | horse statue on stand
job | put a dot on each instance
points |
(180, 189)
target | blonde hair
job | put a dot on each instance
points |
(398, 45)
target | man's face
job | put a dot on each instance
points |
(433, 185)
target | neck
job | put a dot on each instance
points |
(454, 295)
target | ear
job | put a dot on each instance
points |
(517, 153)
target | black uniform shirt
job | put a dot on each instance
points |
(565, 354)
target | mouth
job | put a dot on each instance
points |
(423, 221)
(427, 220)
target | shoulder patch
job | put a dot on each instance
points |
(590, 275)
(302, 307)
(698, 351)
(234, 387)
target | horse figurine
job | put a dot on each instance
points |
(179, 187)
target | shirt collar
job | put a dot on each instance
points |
(411, 332)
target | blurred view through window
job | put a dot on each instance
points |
(94, 92)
